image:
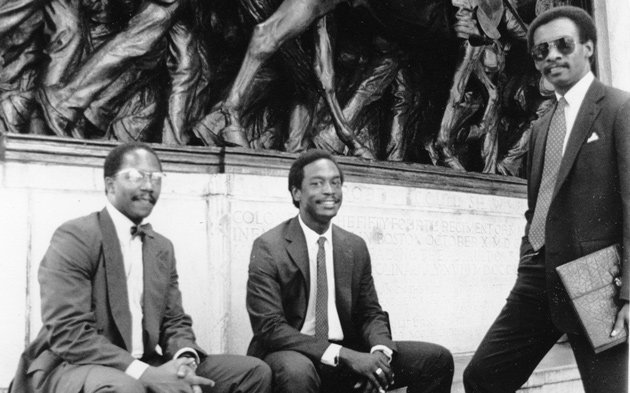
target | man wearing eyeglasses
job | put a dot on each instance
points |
(111, 307)
(578, 203)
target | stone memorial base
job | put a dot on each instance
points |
(444, 244)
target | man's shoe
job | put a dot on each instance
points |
(58, 123)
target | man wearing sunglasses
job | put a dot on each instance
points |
(578, 174)
(111, 308)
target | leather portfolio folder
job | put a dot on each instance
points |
(592, 283)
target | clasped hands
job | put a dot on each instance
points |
(373, 367)
(174, 376)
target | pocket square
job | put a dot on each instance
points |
(592, 138)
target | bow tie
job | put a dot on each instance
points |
(139, 230)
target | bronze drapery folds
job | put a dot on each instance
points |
(444, 82)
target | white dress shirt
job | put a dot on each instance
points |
(335, 332)
(574, 98)
(131, 249)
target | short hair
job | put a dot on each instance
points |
(583, 21)
(296, 173)
(114, 159)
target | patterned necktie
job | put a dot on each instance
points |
(553, 157)
(321, 298)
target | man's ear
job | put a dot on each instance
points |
(109, 185)
(296, 193)
(590, 48)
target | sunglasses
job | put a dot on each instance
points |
(564, 45)
(137, 176)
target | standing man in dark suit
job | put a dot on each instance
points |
(313, 305)
(579, 202)
(111, 307)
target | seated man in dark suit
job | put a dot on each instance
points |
(313, 305)
(111, 307)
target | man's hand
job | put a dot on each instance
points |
(374, 367)
(622, 320)
(175, 376)
(188, 369)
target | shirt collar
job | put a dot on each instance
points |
(311, 236)
(576, 94)
(122, 223)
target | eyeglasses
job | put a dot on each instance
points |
(137, 176)
(564, 45)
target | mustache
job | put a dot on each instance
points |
(548, 67)
(148, 196)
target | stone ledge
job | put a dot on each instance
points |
(556, 373)
(233, 160)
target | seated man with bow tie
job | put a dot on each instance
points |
(313, 305)
(111, 307)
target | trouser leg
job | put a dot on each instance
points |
(518, 339)
(236, 374)
(605, 372)
(422, 367)
(92, 379)
(293, 372)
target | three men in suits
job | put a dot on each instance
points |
(578, 202)
(111, 307)
(313, 304)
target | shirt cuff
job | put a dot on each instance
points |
(136, 369)
(331, 355)
(187, 351)
(388, 352)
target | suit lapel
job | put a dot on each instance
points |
(343, 262)
(587, 113)
(116, 278)
(155, 262)
(298, 251)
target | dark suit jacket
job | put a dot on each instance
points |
(85, 309)
(278, 290)
(590, 208)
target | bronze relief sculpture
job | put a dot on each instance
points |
(443, 82)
